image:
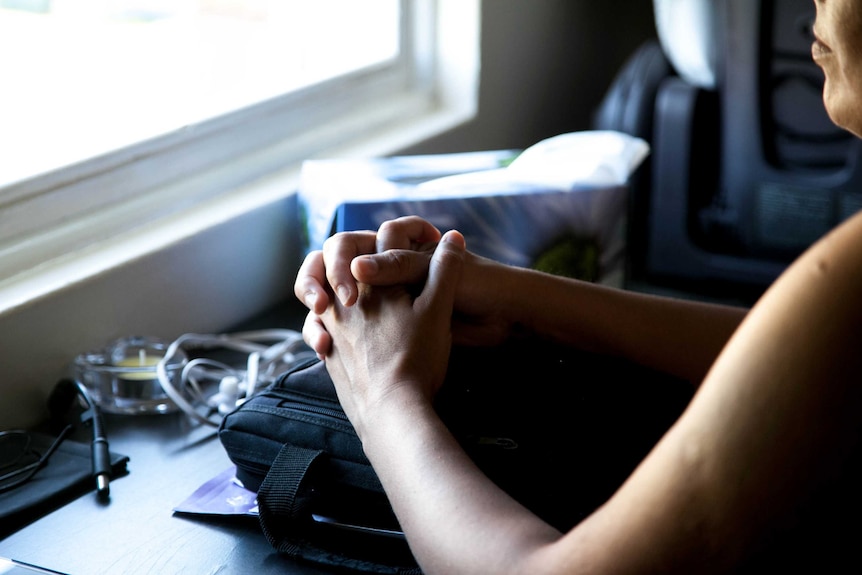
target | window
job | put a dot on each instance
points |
(117, 113)
(84, 78)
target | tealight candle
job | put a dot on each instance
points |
(144, 363)
(122, 377)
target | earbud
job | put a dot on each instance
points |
(228, 395)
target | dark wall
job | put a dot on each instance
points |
(545, 67)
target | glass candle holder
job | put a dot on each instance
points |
(122, 377)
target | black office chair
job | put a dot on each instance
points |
(746, 169)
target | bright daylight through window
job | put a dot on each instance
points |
(148, 121)
(84, 77)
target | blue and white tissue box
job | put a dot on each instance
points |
(511, 206)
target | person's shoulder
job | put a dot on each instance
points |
(828, 276)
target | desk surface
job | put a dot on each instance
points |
(170, 458)
(137, 532)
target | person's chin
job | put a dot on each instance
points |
(842, 115)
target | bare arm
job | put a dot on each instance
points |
(773, 421)
(675, 336)
(388, 359)
(774, 424)
(493, 301)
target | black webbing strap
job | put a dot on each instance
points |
(279, 509)
(283, 514)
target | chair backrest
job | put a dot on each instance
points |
(747, 170)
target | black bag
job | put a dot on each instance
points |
(318, 497)
(557, 430)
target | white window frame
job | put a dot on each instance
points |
(61, 227)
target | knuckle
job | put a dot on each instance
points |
(310, 262)
(312, 255)
(332, 243)
(387, 226)
(393, 234)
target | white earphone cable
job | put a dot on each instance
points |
(270, 353)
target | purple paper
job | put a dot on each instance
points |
(221, 495)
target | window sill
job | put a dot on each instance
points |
(201, 268)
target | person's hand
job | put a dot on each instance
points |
(390, 338)
(326, 273)
(329, 269)
(399, 254)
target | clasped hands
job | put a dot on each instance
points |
(385, 308)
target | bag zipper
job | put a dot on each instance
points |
(303, 404)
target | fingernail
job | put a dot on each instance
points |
(310, 299)
(343, 293)
(455, 237)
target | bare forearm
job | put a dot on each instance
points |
(679, 337)
(452, 514)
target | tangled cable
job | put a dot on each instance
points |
(269, 354)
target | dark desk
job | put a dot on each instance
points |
(137, 531)
(171, 457)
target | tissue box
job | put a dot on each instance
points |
(577, 233)
(552, 214)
